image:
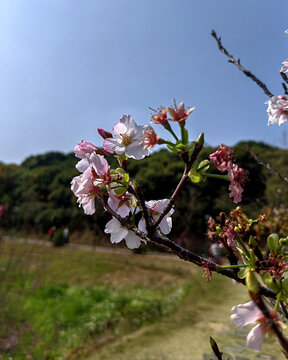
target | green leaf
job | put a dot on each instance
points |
(195, 178)
(120, 190)
(172, 148)
(272, 242)
(242, 273)
(126, 178)
(203, 166)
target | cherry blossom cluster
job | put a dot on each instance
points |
(222, 159)
(128, 140)
(237, 234)
(136, 220)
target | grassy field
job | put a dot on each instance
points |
(61, 303)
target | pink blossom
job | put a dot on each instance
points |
(95, 176)
(85, 191)
(237, 177)
(84, 149)
(128, 138)
(284, 67)
(121, 204)
(156, 208)
(160, 117)
(119, 233)
(180, 113)
(249, 313)
(150, 138)
(230, 235)
(221, 157)
(277, 110)
(100, 170)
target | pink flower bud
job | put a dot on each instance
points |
(105, 134)
(84, 149)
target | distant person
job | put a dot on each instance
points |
(51, 232)
(66, 235)
(216, 252)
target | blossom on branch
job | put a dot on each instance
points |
(156, 207)
(122, 204)
(277, 110)
(119, 233)
(221, 157)
(84, 149)
(249, 313)
(284, 67)
(160, 117)
(180, 113)
(150, 138)
(128, 139)
(237, 178)
(95, 176)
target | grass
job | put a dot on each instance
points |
(61, 303)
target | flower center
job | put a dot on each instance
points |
(126, 139)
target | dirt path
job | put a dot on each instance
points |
(185, 335)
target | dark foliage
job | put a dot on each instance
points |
(37, 193)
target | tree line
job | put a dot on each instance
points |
(36, 195)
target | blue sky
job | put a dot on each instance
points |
(68, 67)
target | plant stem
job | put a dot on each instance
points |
(217, 176)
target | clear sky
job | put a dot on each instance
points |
(68, 67)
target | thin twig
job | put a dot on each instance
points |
(141, 200)
(188, 166)
(266, 166)
(284, 77)
(239, 66)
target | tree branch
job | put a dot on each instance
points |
(182, 253)
(188, 166)
(239, 66)
(266, 166)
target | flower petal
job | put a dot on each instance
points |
(245, 314)
(132, 240)
(255, 338)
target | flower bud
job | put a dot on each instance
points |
(105, 134)
(272, 241)
(252, 283)
(200, 139)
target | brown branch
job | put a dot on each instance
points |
(182, 253)
(285, 89)
(239, 66)
(284, 77)
(141, 200)
(266, 166)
